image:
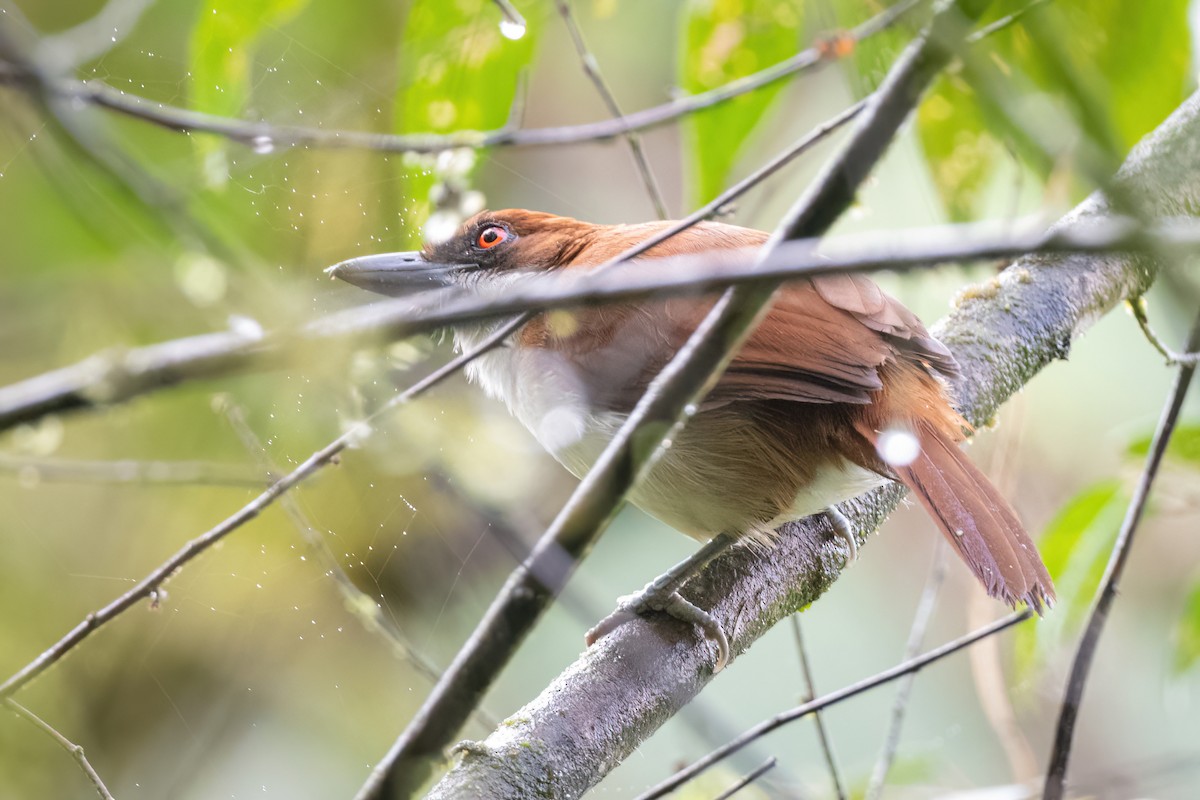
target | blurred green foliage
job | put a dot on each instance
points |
(1187, 632)
(252, 676)
(1075, 546)
(1184, 445)
(724, 40)
(222, 54)
(458, 70)
(1118, 69)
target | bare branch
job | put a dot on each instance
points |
(783, 718)
(1056, 774)
(1138, 306)
(916, 640)
(592, 69)
(116, 376)
(149, 585)
(810, 693)
(189, 473)
(252, 134)
(75, 750)
(750, 778)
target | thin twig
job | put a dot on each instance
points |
(92, 38)
(591, 68)
(364, 607)
(150, 584)
(637, 444)
(75, 750)
(916, 640)
(748, 779)
(254, 134)
(710, 272)
(783, 718)
(68, 470)
(78, 131)
(1004, 22)
(810, 693)
(1138, 306)
(1056, 773)
(510, 14)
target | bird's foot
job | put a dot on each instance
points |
(656, 597)
(844, 531)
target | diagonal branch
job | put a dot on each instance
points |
(592, 68)
(75, 751)
(1056, 774)
(905, 668)
(621, 690)
(148, 586)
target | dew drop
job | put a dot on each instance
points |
(512, 30)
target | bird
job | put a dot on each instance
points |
(839, 389)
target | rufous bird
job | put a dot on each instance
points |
(800, 420)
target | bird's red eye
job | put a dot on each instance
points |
(491, 236)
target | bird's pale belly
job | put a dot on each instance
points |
(710, 479)
(719, 474)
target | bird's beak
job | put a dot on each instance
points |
(395, 274)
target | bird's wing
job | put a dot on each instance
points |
(823, 341)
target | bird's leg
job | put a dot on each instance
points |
(843, 530)
(662, 594)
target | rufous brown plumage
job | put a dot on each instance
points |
(796, 423)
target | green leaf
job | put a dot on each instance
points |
(1134, 63)
(1187, 633)
(222, 47)
(962, 154)
(1184, 445)
(1075, 546)
(1119, 69)
(725, 40)
(457, 72)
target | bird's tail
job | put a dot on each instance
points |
(977, 521)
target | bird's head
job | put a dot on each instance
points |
(486, 248)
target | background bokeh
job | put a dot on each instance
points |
(253, 676)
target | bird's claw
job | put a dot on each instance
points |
(673, 603)
(844, 531)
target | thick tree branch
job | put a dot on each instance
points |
(621, 690)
